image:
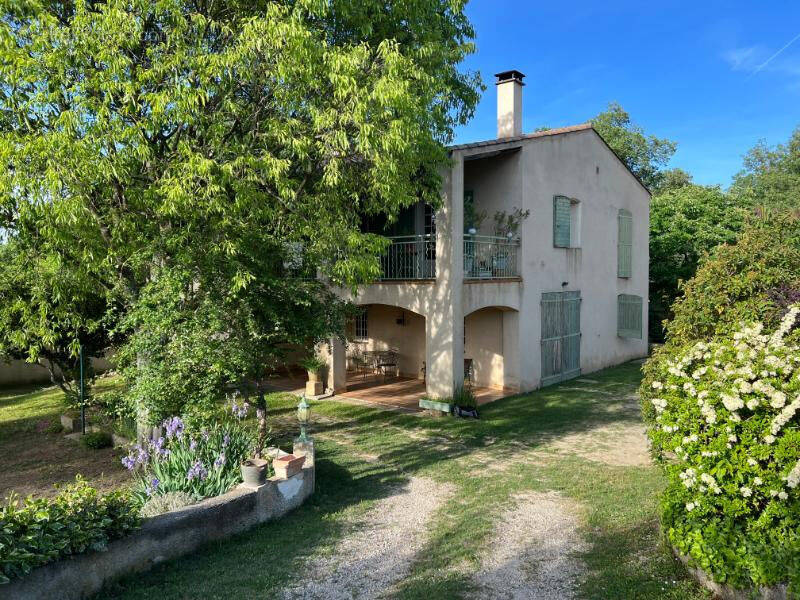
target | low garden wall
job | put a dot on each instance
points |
(165, 537)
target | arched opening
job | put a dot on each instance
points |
(386, 356)
(491, 348)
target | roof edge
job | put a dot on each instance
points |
(552, 132)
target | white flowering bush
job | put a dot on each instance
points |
(724, 420)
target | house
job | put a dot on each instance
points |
(561, 294)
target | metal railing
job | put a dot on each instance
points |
(490, 257)
(409, 257)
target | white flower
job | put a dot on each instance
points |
(793, 478)
(657, 385)
(690, 506)
(746, 491)
(732, 403)
(752, 462)
(783, 495)
(769, 439)
(758, 481)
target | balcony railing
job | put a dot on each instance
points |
(409, 257)
(490, 257)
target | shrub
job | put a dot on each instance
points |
(160, 504)
(725, 425)
(54, 427)
(738, 283)
(464, 398)
(313, 364)
(200, 463)
(96, 440)
(37, 531)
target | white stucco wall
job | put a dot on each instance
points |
(384, 333)
(527, 174)
(579, 165)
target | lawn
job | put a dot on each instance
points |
(580, 441)
(35, 457)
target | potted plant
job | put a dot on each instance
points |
(506, 225)
(254, 470)
(464, 403)
(314, 365)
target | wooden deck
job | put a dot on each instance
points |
(393, 393)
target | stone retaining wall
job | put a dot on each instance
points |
(726, 592)
(165, 537)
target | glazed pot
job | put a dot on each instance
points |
(254, 472)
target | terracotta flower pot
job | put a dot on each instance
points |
(254, 472)
(286, 466)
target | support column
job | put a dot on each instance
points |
(444, 323)
(511, 350)
(337, 366)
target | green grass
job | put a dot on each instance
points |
(35, 457)
(626, 558)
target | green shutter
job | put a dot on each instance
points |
(561, 336)
(629, 316)
(624, 243)
(561, 219)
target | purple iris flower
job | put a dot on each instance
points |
(197, 470)
(192, 444)
(129, 462)
(150, 489)
(239, 410)
(220, 460)
(142, 455)
(226, 439)
(157, 448)
(174, 427)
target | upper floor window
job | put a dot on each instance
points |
(566, 222)
(624, 243)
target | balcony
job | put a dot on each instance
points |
(490, 257)
(409, 257)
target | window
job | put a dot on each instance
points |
(629, 316)
(624, 243)
(361, 326)
(566, 222)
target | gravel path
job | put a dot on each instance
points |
(531, 555)
(379, 550)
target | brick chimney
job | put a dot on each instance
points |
(509, 103)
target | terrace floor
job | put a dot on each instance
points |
(395, 393)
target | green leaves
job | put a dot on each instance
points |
(37, 531)
(192, 141)
(645, 155)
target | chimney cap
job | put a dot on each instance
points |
(512, 75)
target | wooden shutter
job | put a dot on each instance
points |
(571, 345)
(551, 337)
(561, 221)
(629, 316)
(624, 243)
(561, 336)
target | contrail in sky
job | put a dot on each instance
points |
(769, 60)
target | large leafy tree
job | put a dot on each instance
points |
(197, 148)
(645, 155)
(686, 222)
(771, 176)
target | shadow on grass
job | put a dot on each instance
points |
(253, 563)
(257, 563)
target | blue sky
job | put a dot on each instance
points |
(704, 74)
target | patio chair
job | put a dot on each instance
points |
(388, 360)
(360, 363)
